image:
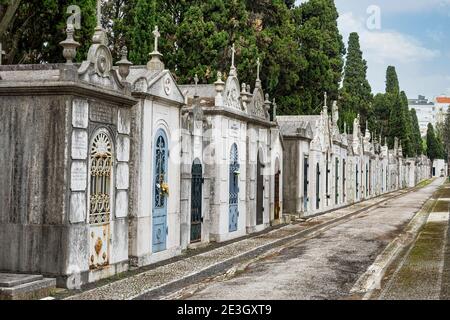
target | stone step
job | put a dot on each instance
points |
(9, 280)
(25, 287)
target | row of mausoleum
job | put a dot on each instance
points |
(107, 167)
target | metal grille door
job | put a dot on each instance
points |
(196, 202)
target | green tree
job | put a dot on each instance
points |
(433, 150)
(416, 136)
(407, 141)
(33, 35)
(323, 48)
(380, 112)
(277, 43)
(446, 135)
(356, 93)
(392, 83)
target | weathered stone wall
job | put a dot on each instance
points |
(290, 176)
(33, 174)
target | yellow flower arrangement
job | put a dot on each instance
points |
(165, 188)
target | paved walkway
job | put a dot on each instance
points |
(323, 266)
(423, 272)
(196, 268)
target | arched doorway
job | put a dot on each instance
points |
(344, 181)
(234, 189)
(101, 166)
(317, 187)
(259, 191)
(305, 183)
(160, 192)
(276, 199)
(357, 183)
(196, 201)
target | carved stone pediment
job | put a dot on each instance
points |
(162, 85)
(257, 104)
(232, 94)
(98, 68)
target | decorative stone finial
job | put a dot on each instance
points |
(274, 110)
(245, 95)
(196, 85)
(2, 52)
(157, 36)
(258, 80)
(345, 127)
(233, 67)
(100, 36)
(267, 104)
(155, 63)
(258, 65)
(220, 86)
(335, 114)
(325, 103)
(124, 64)
(70, 45)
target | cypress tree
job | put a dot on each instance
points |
(356, 96)
(433, 151)
(392, 84)
(416, 136)
(407, 141)
(323, 48)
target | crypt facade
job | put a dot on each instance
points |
(108, 167)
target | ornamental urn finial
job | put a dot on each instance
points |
(124, 65)
(70, 45)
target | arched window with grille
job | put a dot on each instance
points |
(101, 167)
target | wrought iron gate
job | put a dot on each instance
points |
(100, 186)
(336, 184)
(234, 189)
(277, 195)
(317, 187)
(196, 201)
(305, 183)
(160, 193)
(259, 191)
(357, 183)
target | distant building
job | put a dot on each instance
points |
(428, 111)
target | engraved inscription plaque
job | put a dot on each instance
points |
(79, 145)
(78, 176)
(102, 114)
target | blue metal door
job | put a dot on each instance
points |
(234, 189)
(160, 193)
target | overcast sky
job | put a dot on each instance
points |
(414, 36)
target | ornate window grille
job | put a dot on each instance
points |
(100, 179)
(160, 172)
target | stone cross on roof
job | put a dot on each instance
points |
(157, 36)
(258, 65)
(2, 52)
(233, 52)
(99, 12)
(196, 84)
